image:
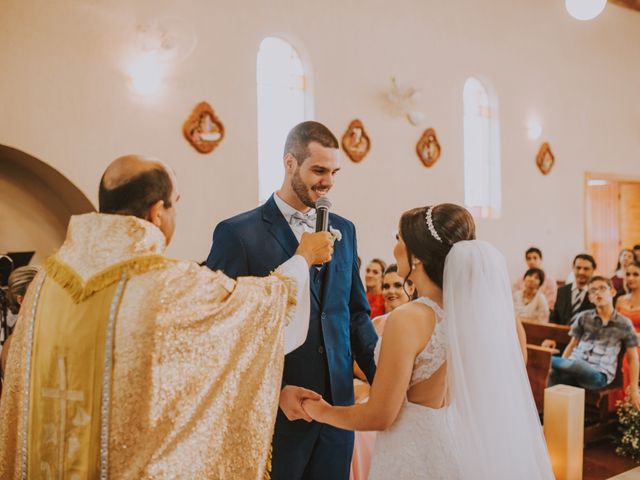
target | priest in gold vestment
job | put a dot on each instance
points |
(125, 364)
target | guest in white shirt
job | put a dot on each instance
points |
(529, 303)
(549, 287)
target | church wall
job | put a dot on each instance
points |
(33, 217)
(66, 100)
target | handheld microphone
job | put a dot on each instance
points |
(323, 204)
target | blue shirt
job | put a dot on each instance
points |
(600, 344)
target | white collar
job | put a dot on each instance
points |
(286, 209)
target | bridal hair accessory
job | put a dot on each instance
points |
(430, 224)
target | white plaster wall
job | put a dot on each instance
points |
(66, 101)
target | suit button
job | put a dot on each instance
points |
(323, 316)
(320, 349)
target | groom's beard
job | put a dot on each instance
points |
(301, 190)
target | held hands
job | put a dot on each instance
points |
(291, 399)
(316, 248)
(316, 409)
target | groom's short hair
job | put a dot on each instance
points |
(303, 134)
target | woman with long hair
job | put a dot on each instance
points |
(373, 284)
(451, 395)
(625, 258)
(628, 306)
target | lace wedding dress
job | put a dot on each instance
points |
(490, 429)
(418, 445)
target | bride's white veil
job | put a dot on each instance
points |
(492, 413)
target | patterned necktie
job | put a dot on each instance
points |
(308, 219)
(577, 301)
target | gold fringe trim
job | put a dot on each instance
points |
(267, 469)
(66, 277)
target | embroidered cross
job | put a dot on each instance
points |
(62, 395)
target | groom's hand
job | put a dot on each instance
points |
(316, 248)
(291, 399)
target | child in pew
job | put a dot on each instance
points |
(591, 358)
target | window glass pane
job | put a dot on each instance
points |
(481, 151)
(282, 90)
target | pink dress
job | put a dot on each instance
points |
(364, 442)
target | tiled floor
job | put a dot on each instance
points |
(602, 463)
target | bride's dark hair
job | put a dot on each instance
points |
(452, 224)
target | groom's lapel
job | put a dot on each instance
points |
(328, 274)
(279, 228)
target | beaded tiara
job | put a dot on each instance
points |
(430, 226)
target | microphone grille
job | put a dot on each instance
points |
(323, 202)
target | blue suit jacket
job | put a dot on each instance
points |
(340, 330)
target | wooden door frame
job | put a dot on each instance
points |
(610, 177)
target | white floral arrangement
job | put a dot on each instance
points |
(336, 234)
(628, 445)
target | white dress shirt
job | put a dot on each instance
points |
(288, 211)
(295, 333)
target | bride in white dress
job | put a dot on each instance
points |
(450, 396)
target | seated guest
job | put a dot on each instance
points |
(17, 285)
(529, 303)
(625, 258)
(572, 297)
(396, 292)
(549, 288)
(629, 306)
(597, 335)
(373, 285)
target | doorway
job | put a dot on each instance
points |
(612, 217)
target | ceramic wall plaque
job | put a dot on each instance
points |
(356, 142)
(545, 159)
(428, 148)
(203, 129)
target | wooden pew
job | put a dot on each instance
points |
(599, 421)
(538, 332)
(538, 364)
(539, 357)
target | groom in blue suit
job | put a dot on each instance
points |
(340, 330)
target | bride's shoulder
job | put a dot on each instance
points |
(410, 326)
(412, 313)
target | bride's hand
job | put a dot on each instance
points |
(316, 409)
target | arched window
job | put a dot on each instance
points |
(283, 102)
(482, 189)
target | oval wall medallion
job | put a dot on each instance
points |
(428, 148)
(545, 159)
(356, 142)
(203, 129)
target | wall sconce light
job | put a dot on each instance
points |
(534, 129)
(146, 73)
(158, 46)
(585, 9)
(403, 102)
